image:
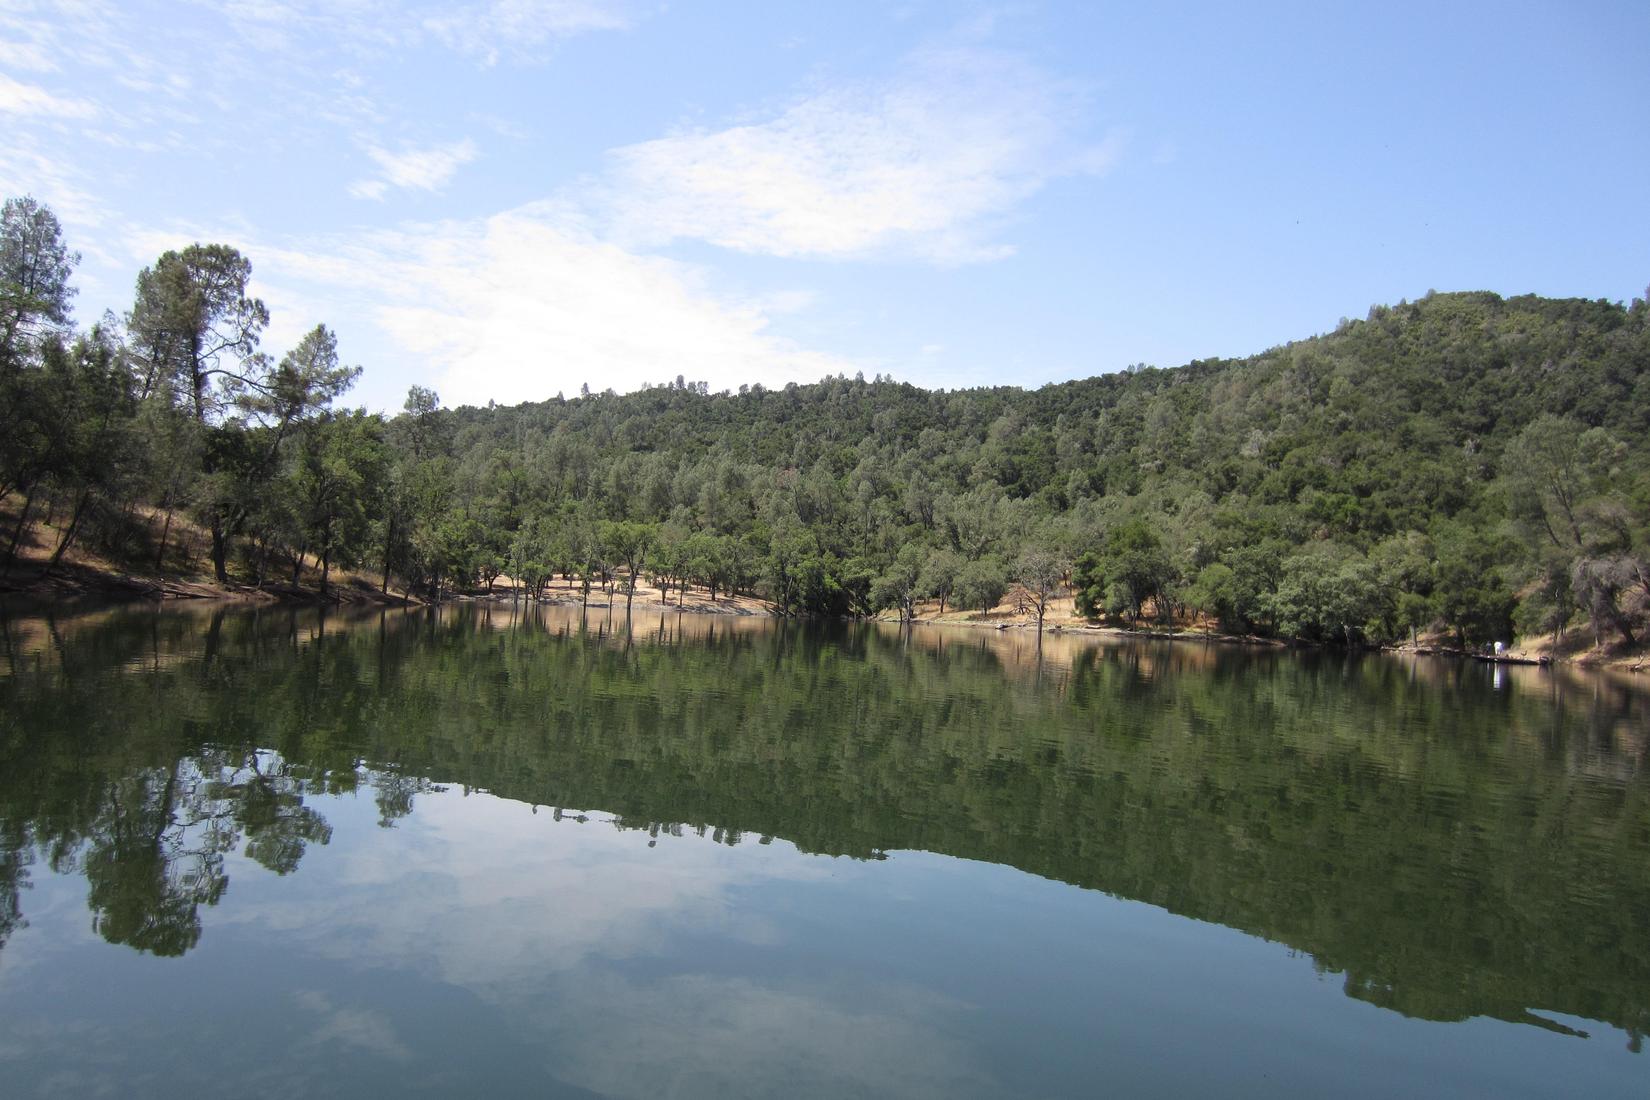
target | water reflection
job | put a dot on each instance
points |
(1451, 840)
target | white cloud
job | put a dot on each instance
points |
(25, 169)
(477, 892)
(525, 304)
(710, 1035)
(929, 163)
(277, 62)
(487, 30)
(519, 306)
(26, 55)
(613, 895)
(357, 1030)
(419, 169)
(922, 164)
(26, 99)
(76, 35)
(521, 28)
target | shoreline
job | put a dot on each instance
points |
(1519, 656)
(75, 581)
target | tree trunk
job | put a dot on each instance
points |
(74, 526)
(262, 540)
(1622, 623)
(389, 541)
(17, 531)
(220, 551)
(165, 533)
(630, 590)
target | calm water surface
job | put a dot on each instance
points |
(471, 852)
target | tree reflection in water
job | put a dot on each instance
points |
(1454, 843)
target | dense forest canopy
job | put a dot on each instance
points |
(1464, 462)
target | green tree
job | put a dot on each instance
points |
(939, 575)
(1213, 592)
(1327, 592)
(1088, 577)
(898, 585)
(1137, 567)
(1550, 471)
(981, 584)
(630, 542)
(1471, 593)
(35, 267)
(340, 468)
(93, 450)
(196, 332)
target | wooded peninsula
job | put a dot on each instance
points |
(1464, 466)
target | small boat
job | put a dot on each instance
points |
(1509, 659)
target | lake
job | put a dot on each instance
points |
(482, 852)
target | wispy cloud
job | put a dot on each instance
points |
(620, 906)
(358, 1030)
(922, 164)
(26, 169)
(284, 63)
(487, 30)
(519, 306)
(29, 56)
(931, 163)
(17, 98)
(69, 35)
(426, 169)
(522, 28)
(525, 304)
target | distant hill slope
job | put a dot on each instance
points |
(1419, 399)
(1462, 464)
(1386, 439)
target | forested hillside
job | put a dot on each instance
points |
(1462, 462)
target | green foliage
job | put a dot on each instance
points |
(1132, 569)
(1088, 577)
(35, 266)
(1326, 593)
(900, 585)
(1430, 466)
(339, 470)
(938, 579)
(981, 584)
(1214, 592)
(1472, 597)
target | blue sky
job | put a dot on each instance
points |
(505, 199)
